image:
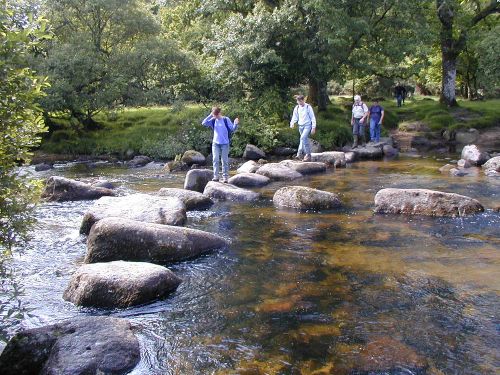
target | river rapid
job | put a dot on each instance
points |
(336, 292)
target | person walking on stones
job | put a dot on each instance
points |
(376, 116)
(400, 93)
(303, 115)
(359, 115)
(223, 128)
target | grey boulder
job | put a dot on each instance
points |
(425, 202)
(81, 346)
(43, 167)
(248, 167)
(389, 150)
(253, 153)
(351, 157)
(192, 199)
(335, 158)
(60, 189)
(197, 179)
(221, 191)
(473, 154)
(140, 207)
(119, 284)
(249, 180)
(278, 172)
(305, 198)
(139, 161)
(492, 166)
(191, 157)
(305, 168)
(122, 239)
(369, 152)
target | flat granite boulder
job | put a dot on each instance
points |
(305, 168)
(369, 152)
(80, 346)
(305, 198)
(336, 158)
(250, 166)
(61, 189)
(425, 202)
(119, 284)
(197, 179)
(228, 192)
(249, 180)
(192, 199)
(123, 239)
(140, 207)
(278, 172)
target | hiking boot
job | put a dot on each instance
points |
(307, 157)
(225, 180)
(215, 179)
(355, 143)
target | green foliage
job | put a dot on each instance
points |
(20, 125)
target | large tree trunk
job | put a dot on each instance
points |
(318, 95)
(448, 82)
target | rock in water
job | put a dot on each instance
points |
(197, 179)
(248, 167)
(119, 284)
(278, 172)
(253, 153)
(305, 198)
(123, 239)
(191, 157)
(425, 202)
(221, 191)
(60, 189)
(91, 345)
(336, 158)
(140, 207)
(474, 155)
(192, 199)
(139, 161)
(305, 168)
(492, 166)
(249, 180)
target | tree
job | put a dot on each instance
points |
(457, 18)
(20, 123)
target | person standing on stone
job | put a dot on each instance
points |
(376, 116)
(359, 115)
(303, 115)
(223, 129)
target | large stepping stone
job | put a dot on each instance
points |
(278, 172)
(425, 202)
(369, 152)
(140, 207)
(119, 284)
(305, 198)
(61, 189)
(305, 168)
(249, 180)
(248, 167)
(473, 154)
(228, 192)
(191, 157)
(253, 153)
(336, 158)
(90, 345)
(123, 239)
(492, 166)
(192, 199)
(197, 179)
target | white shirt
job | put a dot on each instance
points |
(359, 110)
(303, 115)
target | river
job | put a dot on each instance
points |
(336, 292)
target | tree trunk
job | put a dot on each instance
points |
(318, 95)
(448, 82)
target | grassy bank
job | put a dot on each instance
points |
(164, 132)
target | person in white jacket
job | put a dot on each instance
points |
(303, 115)
(358, 118)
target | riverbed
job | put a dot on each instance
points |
(344, 291)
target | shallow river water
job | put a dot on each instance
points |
(336, 292)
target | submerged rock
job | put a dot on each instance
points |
(140, 207)
(197, 179)
(336, 158)
(60, 189)
(192, 199)
(43, 167)
(253, 153)
(90, 345)
(191, 157)
(446, 168)
(221, 191)
(462, 163)
(249, 180)
(119, 284)
(123, 239)
(305, 167)
(474, 155)
(175, 166)
(248, 167)
(278, 172)
(305, 198)
(425, 202)
(104, 184)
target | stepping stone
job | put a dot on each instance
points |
(249, 180)
(305, 198)
(221, 191)
(192, 199)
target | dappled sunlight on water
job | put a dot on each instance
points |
(337, 292)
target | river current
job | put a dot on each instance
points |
(336, 292)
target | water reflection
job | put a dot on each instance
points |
(336, 292)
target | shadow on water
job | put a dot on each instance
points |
(335, 292)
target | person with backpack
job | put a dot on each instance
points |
(376, 116)
(359, 115)
(303, 115)
(223, 129)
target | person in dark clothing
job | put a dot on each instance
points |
(399, 93)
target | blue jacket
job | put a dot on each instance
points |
(221, 136)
